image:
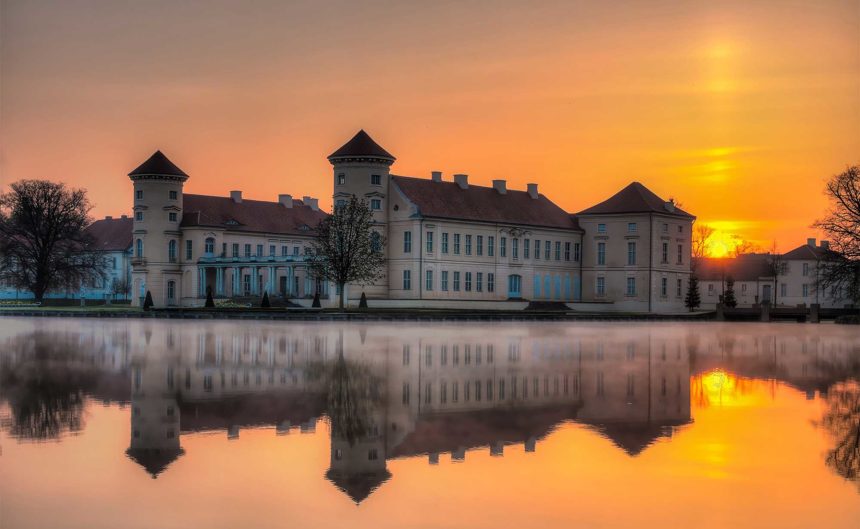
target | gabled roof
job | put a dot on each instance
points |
(111, 235)
(807, 253)
(634, 438)
(747, 267)
(250, 215)
(483, 204)
(361, 145)
(635, 198)
(158, 165)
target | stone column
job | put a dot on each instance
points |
(219, 281)
(201, 281)
(255, 280)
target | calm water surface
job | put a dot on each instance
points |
(181, 424)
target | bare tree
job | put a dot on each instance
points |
(43, 245)
(775, 267)
(702, 234)
(840, 270)
(120, 287)
(742, 247)
(347, 249)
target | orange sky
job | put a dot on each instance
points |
(740, 110)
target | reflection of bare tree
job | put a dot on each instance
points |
(45, 401)
(842, 420)
(352, 392)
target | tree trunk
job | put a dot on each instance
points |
(342, 287)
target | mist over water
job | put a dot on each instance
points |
(259, 424)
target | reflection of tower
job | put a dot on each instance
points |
(154, 420)
(359, 468)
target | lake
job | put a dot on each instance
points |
(143, 424)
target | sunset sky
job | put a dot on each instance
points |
(739, 110)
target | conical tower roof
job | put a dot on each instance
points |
(158, 165)
(361, 146)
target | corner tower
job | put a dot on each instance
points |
(156, 235)
(361, 168)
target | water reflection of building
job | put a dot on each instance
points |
(392, 392)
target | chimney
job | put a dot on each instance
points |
(108, 217)
(462, 180)
(532, 189)
(825, 245)
(286, 200)
(124, 217)
(236, 196)
(436, 176)
(311, 203)
(500, 186)
(670, 205)
(810, 242)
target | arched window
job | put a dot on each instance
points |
(138, 249)
(210, 246)
(171, 251)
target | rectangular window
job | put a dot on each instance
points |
(805, 270)
(235, 249)
(665, 254)
(558, 250)
(444, 242)
(601, 253)
(576, 250)
(138, 194)
(375, 180)
(503, 246)
(407, 280)
(491, 282)
(631, 253)
(428, 280)
(456, 244)
(491, 245)
(296, 250)
(515, 248)
(600, 287)
(429, 242)
(479, 245)
(375, 204)
(468, 244)
(783, 289)
(468, 285)
(679, 288)
(444, 285)
(665, 228)
(680, 254)
(138, 216)
(601, 228)
(407, 242)
(285, 251)
(631, 286)
(631, 227)
(537, 248)
(567, 251)
(456, 281)
(710, 289)
(259, 250)
(526, 248)
(173, 195)
(188, 249)
(805, 289)
(272, 250)
(341, 179)
(664, 287)
(479, 280)
(547, 247)
(247, 250)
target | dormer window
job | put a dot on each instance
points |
(375, 180)
(232, 222)
(341, 179)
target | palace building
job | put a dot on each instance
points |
(450, 243)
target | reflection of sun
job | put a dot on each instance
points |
(722, 388)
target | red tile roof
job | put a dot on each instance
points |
(635, 198)
(158, 165)
(361, 145)
(250, 215)
(482, 204)
(111, 235)
(749, 267)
